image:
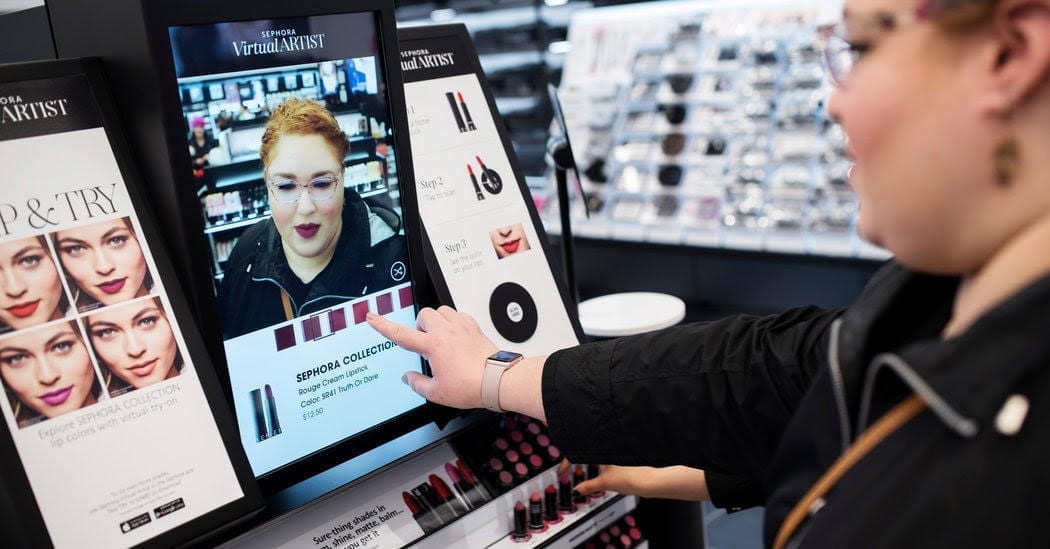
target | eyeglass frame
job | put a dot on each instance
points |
(270, 183)
(833, 36)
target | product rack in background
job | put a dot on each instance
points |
(705, 125)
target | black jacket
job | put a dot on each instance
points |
(772, 402)
(257, 271)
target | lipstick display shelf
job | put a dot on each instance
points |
(710, 131)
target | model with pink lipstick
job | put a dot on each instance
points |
(47, 372)
(104, 263)
(509, 240)
(323, 245)
(30, 287)
(134, 344)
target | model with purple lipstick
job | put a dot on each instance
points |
(30, 286)
(104, 263)
(135, 345)
(323, 245)
(47, 372)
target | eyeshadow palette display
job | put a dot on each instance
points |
(711, 131)
(508, 454)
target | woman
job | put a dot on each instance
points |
(201, 143)
(135, 344)
(104, 263)
(32, 290)
(509, 240)
(920, 416)
(322, 246)
(47, 372)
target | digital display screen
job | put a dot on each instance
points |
(301, 206)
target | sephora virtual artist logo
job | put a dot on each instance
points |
(13, 109)
(279, 41)
(423, 59)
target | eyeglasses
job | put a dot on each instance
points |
(840, 54)
(287, 191)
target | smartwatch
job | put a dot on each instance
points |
(495, 366)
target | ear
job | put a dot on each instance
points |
(1018, 61)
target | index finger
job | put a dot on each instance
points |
(405, 336)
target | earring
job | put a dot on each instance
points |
(1007, 157)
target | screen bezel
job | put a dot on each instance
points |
(201, 12)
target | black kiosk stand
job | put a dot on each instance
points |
(355, 459)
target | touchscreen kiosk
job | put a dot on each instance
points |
(290, 181)
(302, 211)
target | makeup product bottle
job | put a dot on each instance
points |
(466, 113)
(271, 412)
(458, 506)
(455, 112)
(261, 431)
(565, 504)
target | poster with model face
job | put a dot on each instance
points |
(290, 139)
(102, 400)
(475, 211)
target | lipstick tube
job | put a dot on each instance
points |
(578, 476)
(426, 494)
(593, 471)
(424, 518)
(474, 180)
(455, 112)
(462, 488)
(271, 412)
(478, 493)
(565, 504)
(550, 505)
(521, 528)
(458, 506)
(261, 431)
(536, 523)
(466, 113)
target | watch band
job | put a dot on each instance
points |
(490, 385)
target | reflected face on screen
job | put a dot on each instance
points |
(104, 260)
(48, 369)
(509, 240)
(135, 342)
(308, 217)
(31, 288)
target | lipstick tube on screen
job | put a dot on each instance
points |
(474, 180)
(455, 111)
(458, 506)
(478, 493)
(466, 113)
(271, 412)
(425, 492)
(261, 431)
(491, 180)
(424, 518)
(460, 486)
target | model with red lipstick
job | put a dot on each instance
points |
(134, 344)
(30, 287)
(509, 240)
(323, 245)
(47, 372)
(917, 417)
(104, 263)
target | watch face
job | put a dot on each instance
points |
(505, 356)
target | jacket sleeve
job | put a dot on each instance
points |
(714, 396)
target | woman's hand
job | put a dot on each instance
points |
(678, 482)
(455, 347)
